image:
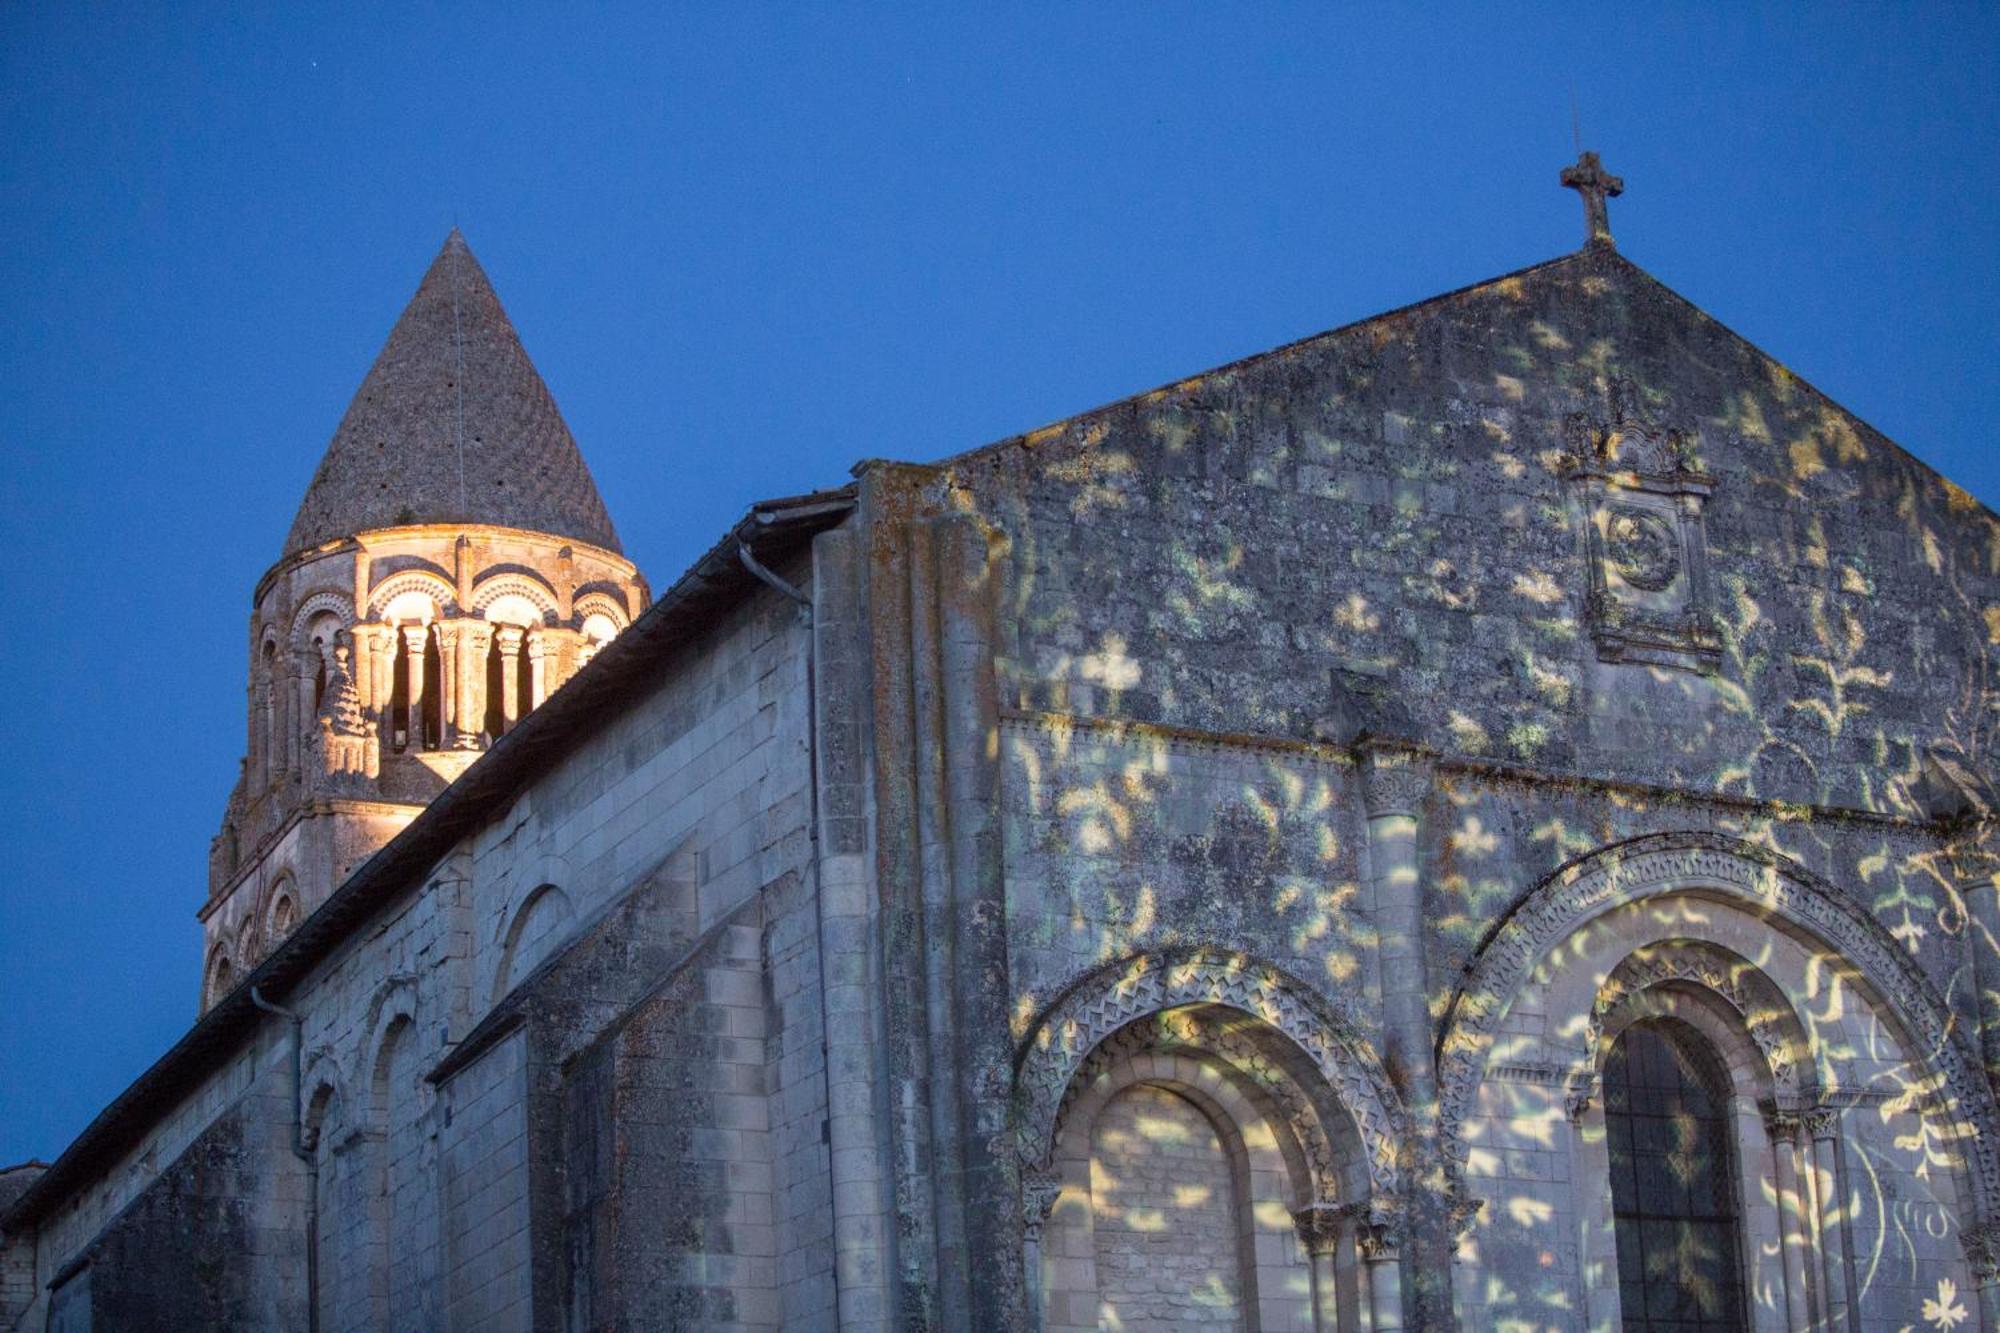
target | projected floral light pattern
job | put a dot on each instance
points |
(1687, 679)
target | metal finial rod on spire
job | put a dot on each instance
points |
(1589, 179)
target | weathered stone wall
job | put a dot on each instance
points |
(1210, 589)
(1389, 499)
(214, 1240)
(711, 763)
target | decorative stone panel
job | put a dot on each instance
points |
(1640, 490)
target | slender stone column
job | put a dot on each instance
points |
(1794, 1228)
(305, 669)
(1381, 1260)
(1039, 1192)
(364, 665)
(1393, 787)
(509, 638)
(415, 639)
(1982, 1251)
(1982, 902)
(1394, 784)
(264, 726)
(451, 680)
(1320, 1228)
(474, 643)
(375, 649)
(1823, 1123)
(538, 675)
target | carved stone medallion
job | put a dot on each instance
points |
(1642, 549)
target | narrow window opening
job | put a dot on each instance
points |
(1673, 1182)
(433, 709)
(496, 691)
(399, 694)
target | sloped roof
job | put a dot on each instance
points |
(773, 530)
(452, 425)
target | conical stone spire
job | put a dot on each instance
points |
(452, 425)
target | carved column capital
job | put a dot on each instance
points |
(1393, 783)
(478, 634)
(415, 636)
(536, 645)
(1782, 1123)
(1463, 1213)
(510, 638)
(1039, 1192)
(1822, 1122)
(1982, 1250)
(1320, 1225)
(1377, 1243)
(1579, 1095)
(373, 634)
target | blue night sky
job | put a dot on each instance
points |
(748, 246)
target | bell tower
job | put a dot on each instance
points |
(451, 565)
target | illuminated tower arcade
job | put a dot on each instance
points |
(452, 564)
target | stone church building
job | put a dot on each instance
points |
(1474, 820)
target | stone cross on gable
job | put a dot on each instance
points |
(1589, 179)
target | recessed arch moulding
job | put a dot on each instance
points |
(1862, 1125)
(380, 667)
(1309, 1136)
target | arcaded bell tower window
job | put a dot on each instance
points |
(1673, 1182)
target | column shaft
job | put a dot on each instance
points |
(1824, 1124)
(475, 642)
(1385, 1287)
(509, 639)
(450, 681)
(538, 680)
(1794, 1230)
(415, 639)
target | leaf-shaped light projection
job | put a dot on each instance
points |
(1945, 1312)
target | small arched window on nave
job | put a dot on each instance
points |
(284, 913)
(1673, 1182)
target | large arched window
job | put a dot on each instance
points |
(1673, 1182)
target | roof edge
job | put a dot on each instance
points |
(571, 716)
(1024, 438)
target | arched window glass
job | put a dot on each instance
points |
(1673, 1182)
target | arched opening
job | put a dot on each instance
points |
(221, 976)
(528, 936)
(415, 715)
(1673, 1182)
(284, 915)
(508, 696)
(267, 702)
(433, 709)
(1856, 1112)
(397, 1294)
(496, 689)
(598, 630)
(1206, 1165)
(337, 1196)
(399, 696)
(1169, 1214)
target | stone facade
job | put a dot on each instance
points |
(1192, 865)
